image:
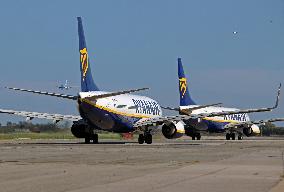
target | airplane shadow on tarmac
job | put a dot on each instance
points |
(83, 143)
(109, 143)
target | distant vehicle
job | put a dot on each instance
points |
(234, 125)
(119, 112)
(65, 86)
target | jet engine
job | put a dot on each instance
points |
(173, 130)
(251, 131)
(78, 129)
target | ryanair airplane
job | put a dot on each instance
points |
(119, 112)
(230, 123)
(65, 86)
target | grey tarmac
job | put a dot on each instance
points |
(166, 165)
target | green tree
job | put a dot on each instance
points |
(271, 129)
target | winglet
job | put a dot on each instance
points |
(277, 98)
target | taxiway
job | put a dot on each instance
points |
(184, 165)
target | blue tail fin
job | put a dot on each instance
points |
(87, 82)
(184, 95)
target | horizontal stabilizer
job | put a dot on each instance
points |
(189, 110)
(95, 97)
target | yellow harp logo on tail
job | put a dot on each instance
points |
(182, 86)
(84, 61)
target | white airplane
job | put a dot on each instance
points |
(65, 86)
(119, 112)
(231, 124)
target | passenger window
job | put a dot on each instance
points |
(120, 106)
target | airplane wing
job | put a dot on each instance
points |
(72, 97)
(249, 123)
(59, 117)
(161, 120)
(189, 110)
(31, 115)
(252, 110)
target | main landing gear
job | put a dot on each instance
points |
(196, 136)
(233, 136)
(146, 137)
(94, 138)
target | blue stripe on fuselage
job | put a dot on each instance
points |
(215, 127)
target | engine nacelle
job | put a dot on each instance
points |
(251, 131)
(78, 129)
(173, 130)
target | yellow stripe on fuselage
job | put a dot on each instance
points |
(114, 111)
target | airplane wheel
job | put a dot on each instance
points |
(87, 140)
(95, 139)
(148, 138)
(240, 137)
(141, 139)
(233, 136)
(228, 136)
(193, 137)
(198, 136)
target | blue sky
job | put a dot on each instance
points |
(136, 43)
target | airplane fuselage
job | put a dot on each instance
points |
(217, 123)
(117, 113)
